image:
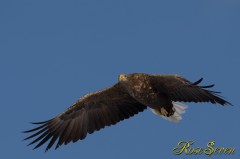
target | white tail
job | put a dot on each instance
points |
(176, 117)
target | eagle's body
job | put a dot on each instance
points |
(142, 89)
(131, 95)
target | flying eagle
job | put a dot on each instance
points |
(132, 94)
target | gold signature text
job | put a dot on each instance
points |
(186, 147)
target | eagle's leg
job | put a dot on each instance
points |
(163, 111)
(175, 115)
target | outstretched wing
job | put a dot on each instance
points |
(180, 89)
(90, 113)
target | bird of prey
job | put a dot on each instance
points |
(133, 93)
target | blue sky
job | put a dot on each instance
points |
(53, 52)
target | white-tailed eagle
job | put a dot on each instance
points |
(132, 94)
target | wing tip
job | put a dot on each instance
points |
(41, 130)
(227, 103)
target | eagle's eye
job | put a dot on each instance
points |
(121, 77)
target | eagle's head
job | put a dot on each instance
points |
(122, 77)
(130, 78)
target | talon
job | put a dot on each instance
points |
(163, 111)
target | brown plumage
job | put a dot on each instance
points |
(131, 95)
